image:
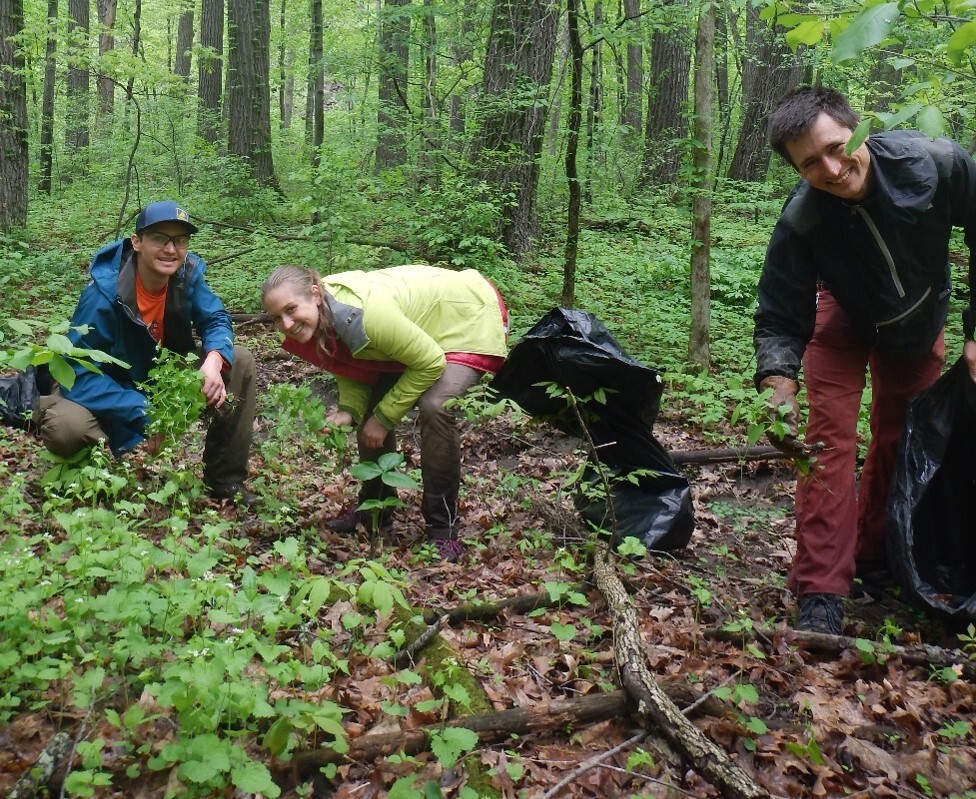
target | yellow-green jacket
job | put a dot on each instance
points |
(413, 315)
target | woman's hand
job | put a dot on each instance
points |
(373, 433)
(339, 419)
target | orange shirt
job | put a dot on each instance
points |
(152, 307)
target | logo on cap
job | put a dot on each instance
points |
(181, 215)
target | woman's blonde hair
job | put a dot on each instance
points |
(303, 280)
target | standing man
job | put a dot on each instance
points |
(856, 276)
(148, 291)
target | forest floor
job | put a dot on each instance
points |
(857, 721)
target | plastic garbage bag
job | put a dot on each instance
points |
(19, 394)
(572, 348)
(932, 504)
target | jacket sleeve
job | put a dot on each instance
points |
(787, 308)
(110, 396)
(399, 339)
(210, 319)
(353, 397)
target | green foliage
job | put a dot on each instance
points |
(174, 396)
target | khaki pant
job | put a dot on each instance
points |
(67, 427)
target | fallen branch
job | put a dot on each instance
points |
(915, 655)
(727, 454)
(708, 759)
(490, 727)
(34, 781)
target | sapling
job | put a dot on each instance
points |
(174, 396)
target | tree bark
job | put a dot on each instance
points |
(210, 69)
(632, 106)
(653, 704)
(46, 147)
(392, 113)
(701, 204)
(667, 104)
(594, 111)
(568, 298)
(317, 79)
(431, 140)
(77, 131)
(513, 106)
(184, 44)
(248, 88)
(13, 120)
(107, 10)
(462, 51)
(770, 69)
(286, 82)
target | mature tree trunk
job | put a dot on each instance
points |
(393, 55)
(883, 82)
(136, 41)
(248, 87)
(209, 70)
(633, 100)
(514, 102)
(106, 43)
(556, 89)
(13, 120)
(701, 206)
(46, 148)
(568, 298)
(184, 43)
(770, 70)
(667, 104)
(723, 98)
(431, 139)
(77, 130)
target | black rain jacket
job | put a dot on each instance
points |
(885, 259)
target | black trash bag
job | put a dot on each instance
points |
(573, 348)
(931, 535)
(19, 394)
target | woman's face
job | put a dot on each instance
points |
(295, 314)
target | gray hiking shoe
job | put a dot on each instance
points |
(820, 613)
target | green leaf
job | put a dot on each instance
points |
(449, 744)
(365, 471)
(902, 115)
(19, 326)
(868, 28)
(563, 632)
(963, 37)
(389, 461)
(62, 372)
(400, 480)
(251, 777)
(857, 139)
(931, 122)
(810, 32)
(276, 738)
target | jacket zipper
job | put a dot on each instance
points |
(905, 313)
(886, 253)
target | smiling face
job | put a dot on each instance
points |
(818, 153)
(155, 262)
(294, 312)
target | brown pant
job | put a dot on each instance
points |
(440, 449)
(67, 427)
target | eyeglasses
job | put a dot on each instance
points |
(181, 242)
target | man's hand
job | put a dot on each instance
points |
(969, 356)
(213, 382)
(373, 433)
(784, 396)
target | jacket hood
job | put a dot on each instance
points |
(904, 173)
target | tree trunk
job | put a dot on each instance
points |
(431, 140)
(667, 104)
(568, 298)
(770, 70)
(77, 130)
(317, 77)
(284, 94)
(632, 106)
(13, 120)
(107, 10)
(136, 40)
(184, 44)
(594, 112)
(462, 51)
(209, 70)
(46, 148)
(514, 102)
(248, 87)
(701, 206)
(392, 113)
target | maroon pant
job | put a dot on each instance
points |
(839, 529)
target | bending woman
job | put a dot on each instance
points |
(395, 338)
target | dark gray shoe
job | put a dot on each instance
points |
(820, 613)
(236, 494)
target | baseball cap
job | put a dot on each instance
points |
(163, 211)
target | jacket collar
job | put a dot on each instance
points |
(347, 320)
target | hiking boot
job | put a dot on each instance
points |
(820, 613)
(348, 522)
(876, 584)
(236, 494)
(448, 550)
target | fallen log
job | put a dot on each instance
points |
(709, 760)
(35, 780)
(727, 455)
(491, 728)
